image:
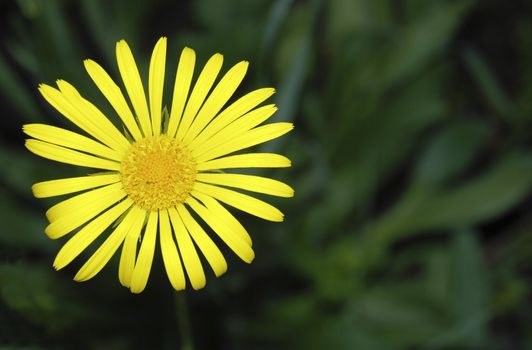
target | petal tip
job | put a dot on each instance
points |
(35, 190)
(250, 258)
(136, 290)
(199, 285)
(48, 231)
(179, 288)
(27, 144)
(188, 50)
(220, 272)
(58, 264)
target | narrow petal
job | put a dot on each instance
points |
(60, 101)
(224, 215)
(231, 113)
(70, 139)
(217, 99)
(59, 187)
(248, 160)
(88, 234)
(74, 212)
(100, 126)
(183, 77)
(68, 156)
(82, 200)
(251, 138)
(211, 252)
(114, 95)
(139, 279)
(248, 182)
(237, 128)
(129, 249)
(233, 241)
(171, 259)
(241, 201)
(156, 84)
(108, 248)
(133, 83)
(188, 251)
(201, 89)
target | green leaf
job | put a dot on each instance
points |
(18, 95)
(469, 295)
(488, 85)
(38, 295)
(453, 149)
(291, 87)
(423, 38)
(278, 13)
(486, 197)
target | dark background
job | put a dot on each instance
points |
(411, 227)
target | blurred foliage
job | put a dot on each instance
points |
(411, 225)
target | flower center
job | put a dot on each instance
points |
(157, 172)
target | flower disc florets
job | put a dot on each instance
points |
(158, 172)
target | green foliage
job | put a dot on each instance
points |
(412, 165)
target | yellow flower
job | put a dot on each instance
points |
(167, 176)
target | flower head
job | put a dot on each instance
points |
(163, 173)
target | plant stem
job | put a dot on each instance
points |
(183, 321)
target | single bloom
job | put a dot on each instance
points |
(163, 172)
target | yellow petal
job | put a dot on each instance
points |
(248, 182)
(217, 99)
(114, 95)
(156, 84)
(74, 212)
(188, 251)
(233, 241)
(133, 83)
(185, 70)
(82, 200)
(108, 248)
(61, 101)
(129, 249)
(65, 155)
(70, 185)
(69, 139)
(251, 138)
(88, 234)
(172, 262)
(248, 160)
(224, 215)
(139, 279)
(201, 89)
(237, 128)
(99, 125)
(241, 201)
(231, 113)
(211, 252)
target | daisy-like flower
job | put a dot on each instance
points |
(162, 174)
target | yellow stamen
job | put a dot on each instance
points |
(158, 172)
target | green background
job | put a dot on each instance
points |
(412, 166)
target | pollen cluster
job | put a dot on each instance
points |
(157, 172)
